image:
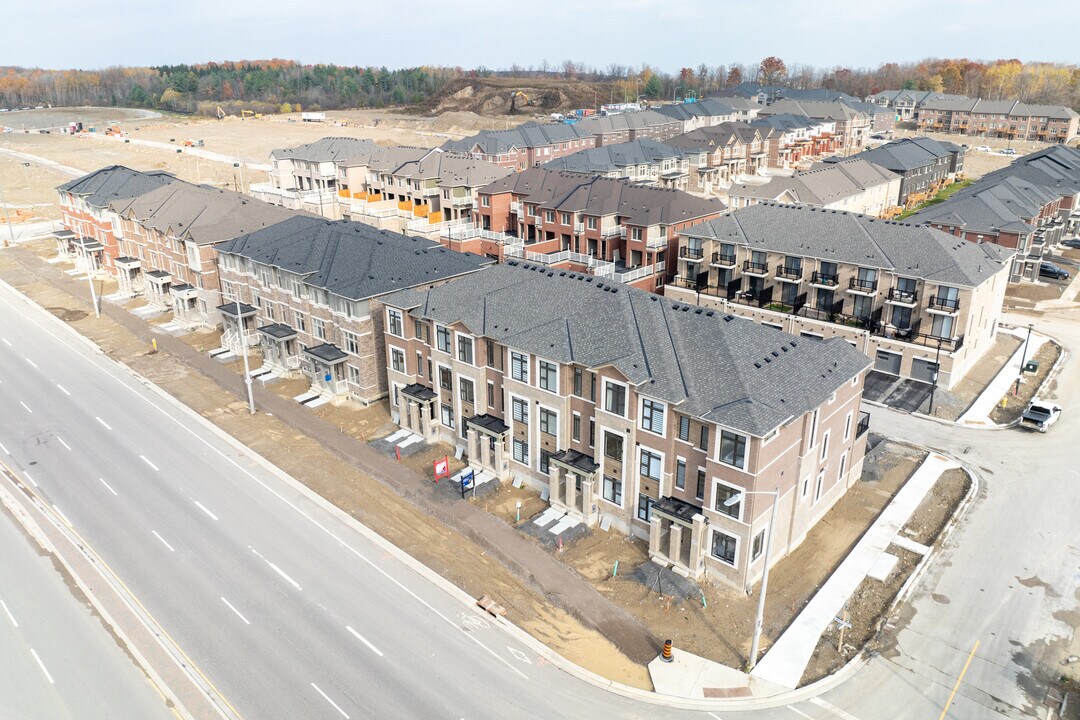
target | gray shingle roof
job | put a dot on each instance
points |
(610, 158)
(700, 108)
(528, 135)
(717, 367)
(329, 149)
(452, 170)
(351, 259)
(906, 154)
(1012, 108)
(821, 185)
(1008, 203)
(620, 122)
(114, 184)
(908, 249)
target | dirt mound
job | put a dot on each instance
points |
(491, 96)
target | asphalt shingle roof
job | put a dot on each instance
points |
(716, 367)
(114, 184)
(822, 184)
(527, 135)
(610, 158)
(907, 154)
(329, 149)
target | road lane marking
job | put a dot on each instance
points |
(171, 548)
(62, 515)
(42, 666)
(30, 361)
(276, 569)
(62, 442)
(246, 621)
(203, 508)
(107, 486)
(30, 478)
(6, 451)
(105, 424)
(799, 712)
(6, 341)
(959, 680)
(364, 640)
(12, 617)
(25, 407)
(149, 463)
(833, 709)
(63, 389)
(716, 716)
(327, 698)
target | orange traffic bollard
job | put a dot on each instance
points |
(666, 655)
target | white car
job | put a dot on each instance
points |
(1040, 415)
(983, 148)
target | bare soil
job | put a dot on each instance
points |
(866, 608)
(491, 95)
(1014, 406)
(978, 163)
(1027, 293)
(951, 404)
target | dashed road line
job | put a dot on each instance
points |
(103, 423)
(30, 361)
(26, 407)
(30, 478)
(62, 442)
(62, 516)
(276, 569)
(171, 548)
(327, 698)
(203, 508)
(824, 705)
(155, 467)
(238, 613)
(63, 389)
(107, 486)
(10, 616)
(364, 640)
(6, 342)
(799, 712)
(42, 666)
(6, 451)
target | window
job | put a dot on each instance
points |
(847, 427)
(584, 384)
(575, 428)
(813, 428)
(491, 394)
(615, 398)
(485, 200)
(492, 357)
(520, 410)
(442, 338)
(724, 547)
(805, 487)
(824, 446)
(590, 223)
(733, 449)
(819, 485)
(467, 390)
(545, 461)
(757, 546)
(301, 322)
(318, 328)
(465, 349)
(565, 218)
(722, 495)
(354, 374)
(549, 216)
(703, 438)
(549, 422)
(843, 468)
(613, 490)
(397, 360)
(446, 379)
(418, 329)
(521, 451)
(613, 446)
(351, 344)
(447, 416)
(519, 367)
(652, 416)
(680, 474)
(644, 507)
(650, 465)
(699, 491)
(684, 428)
(394, 322)
(549, 376)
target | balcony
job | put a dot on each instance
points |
(789, 274)
(515, 207)
(691, 254)
(943, 306)
(579, 227)
(864, 424)
(905, 298)
(861, 286)
(724, 261)
(824, 280)
(753, 268)
(613, 231)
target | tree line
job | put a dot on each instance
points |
(270, 85)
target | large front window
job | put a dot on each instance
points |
(613, 490)
(394, 322)
(724, 547)
(723, 494)
(397, 360)
(613, 446)
(652, 416)
(733, 449)
(942, 326)
(549, 422)
(519, 367)
(650, 465)
(644, 507)
(465, 349)
(520, 410)
(521, 451)
(549, 376)
(442, 338)
(615, 399)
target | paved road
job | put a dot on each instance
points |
(293, 613)
(57, 659)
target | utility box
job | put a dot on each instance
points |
(1031, 366)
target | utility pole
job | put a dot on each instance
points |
(7, 219)
(760, 619)
(26, 173)
(243, 349)
(937, 369)
(1023, 359)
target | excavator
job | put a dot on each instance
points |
(249, 113)
(516, 97)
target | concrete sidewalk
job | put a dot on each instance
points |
(978, 415)
(786, 661)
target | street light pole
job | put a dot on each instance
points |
(26, 173)
(1023, 359)
(7, 219)
(937, 369)
(759, 620)
(243, 349)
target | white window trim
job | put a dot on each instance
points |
(746, 448)
(510, 411)
(558, 375)
(848, 420)
(663, 461)
(404, 362)
(601, 452)
(825, 437)
(819, 486)
(454, 347)
(602, 404)
(514, 459)
(612, 503)
(510, 369)
(738, 542)
(435, 345)
(764, 543)
(641, 416)
(736, 488)
(558, 424)
(842, 468)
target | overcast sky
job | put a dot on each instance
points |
(667, 34)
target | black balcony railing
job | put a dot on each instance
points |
(753, 267)
(788, 273)
(691, 253)
(943, 303)
(864, 424)
(820, 278)
(903, 296)
(863, 285)
(723, 259)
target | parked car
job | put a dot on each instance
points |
(1008, 151)
(1040, 415)
(983, 148)
(1072, 242)
(1050, 270)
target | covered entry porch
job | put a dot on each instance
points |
(418, 410)
(88, 254)
(486, 442)
(185, 299)
(278, 345)
(64, 244)
(157, 288)
(324, 366)
(572, 485)
(129, 277)
(238, 327)
(677, 537)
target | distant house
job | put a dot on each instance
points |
(529, 145)
(1010, 119)
(854, 185)
(923, 164)
(905, 103)
(643, 161)
(630, 126)
(305, 177)
(733, 150)
(796, 139)
(852, 126)
(702, 113)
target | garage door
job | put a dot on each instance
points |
(888, 362)
(923, 370)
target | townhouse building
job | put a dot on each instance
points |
(624, 231)
(90, 224)
(703, 113)
(634, 412)
(526, 146)
(1056, 169)
(920, 303)
(630, 126)
(734, 150)
(853, 126)
(305, 177)
(796, 140)
(1010, 119)
(906, 103)
(168, 241)
(854, 185)
(924, 165)
(308, 292)
(641, 161)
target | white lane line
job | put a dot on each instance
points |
(327, 698)
(716, 716)
(107, 486)
(105, 424)
(25, 407)
(6, 451)
(63, 389)
(6, 341)
(62, 515)
(203, 508)
(238, 614)
(10, 616)
(42, 666)
(276, 569)
(799, 712)
(149, 463)
(30, 361)
(30, 478)
(364, 640)
(171, 548)
(833, 709)
(62, 442)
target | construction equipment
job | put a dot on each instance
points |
(519, 97)
(220, 113)
(194, 143)
(249, 113)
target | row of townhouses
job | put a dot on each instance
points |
(306, 177)
(1010, 119)
(853, 184)
(924, 165)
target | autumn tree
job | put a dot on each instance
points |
(771, 70)
(734, 76)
